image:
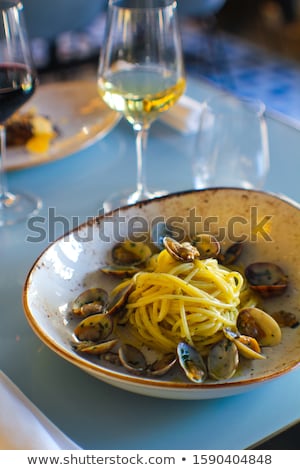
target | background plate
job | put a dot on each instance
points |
(78, 113)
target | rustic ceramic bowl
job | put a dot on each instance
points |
(269, 226)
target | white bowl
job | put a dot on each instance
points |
(71, 264)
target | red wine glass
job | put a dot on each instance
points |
(18, 81)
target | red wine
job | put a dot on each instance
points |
(17, 84)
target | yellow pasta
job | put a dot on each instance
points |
(190, 302)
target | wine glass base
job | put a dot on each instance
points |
(16, 208)
(127, 198)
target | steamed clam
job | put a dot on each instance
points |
(92, 335)
(207, 245)
(223, 360)
(120, 270)
(258, 324)
(202, 246)
(284, 318)
(184, 252)
(162, 365)
(94, 328)
(128, 257)
(119, 299)
(88, 347)
(130, 253)
(247, 345)
(132, 358)
(191, 362)
(93, 300)
(266, 278)
(231, 254)
(135, 361)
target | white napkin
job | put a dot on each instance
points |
(23, 426)
(184, 116)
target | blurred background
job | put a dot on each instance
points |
(249, 47)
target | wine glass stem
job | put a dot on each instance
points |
(3, 179)
(141, 139)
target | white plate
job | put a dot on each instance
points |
(78, 113)
(71, 265)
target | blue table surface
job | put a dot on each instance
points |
(94, 414)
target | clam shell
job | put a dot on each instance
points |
(191, 362)
(223, 360)
(207, 245)
(247, 345)
(130, 253)
(266, 278)
(261, 326)
(89, 347)
(132, 358)
(93, 300)
(94, 328)
(184, 252)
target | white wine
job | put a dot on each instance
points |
(140, 94)
(141, 74)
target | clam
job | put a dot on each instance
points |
(284, 318)
(89, 347)
(207, 245)
(231, 254)
(118, 301)
(129, 253)
(90, 301)
(247, 345)
(258, 324)
(163, 365)
(184, 252)
(120, 270)
(94, 328)
(223, 360)
(128, 258)
(266, 278)
(191, 362)
(132, 358)
(159, 231)
(111, 357)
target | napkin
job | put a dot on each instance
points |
(184, 116)
(23, 426)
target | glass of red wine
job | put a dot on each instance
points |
(18, 81)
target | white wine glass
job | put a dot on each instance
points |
(140, 74)
(18, 81)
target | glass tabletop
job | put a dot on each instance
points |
(94, 414)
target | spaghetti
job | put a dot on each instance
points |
(191, 301)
